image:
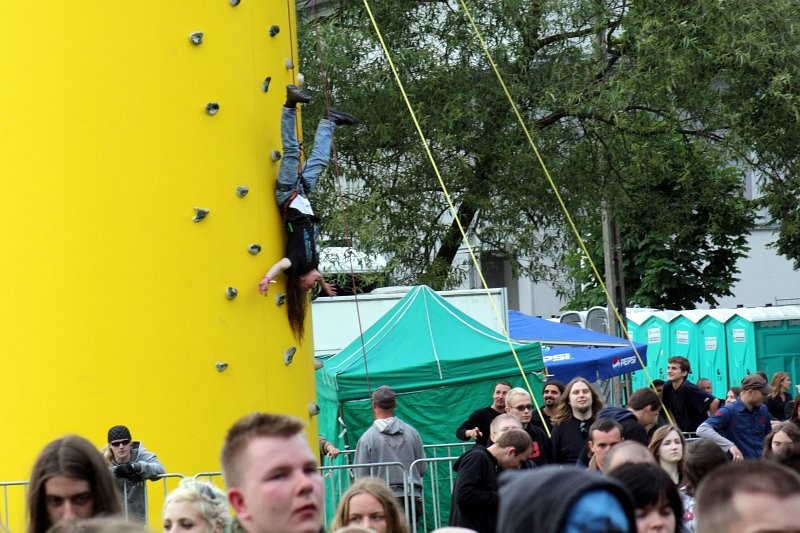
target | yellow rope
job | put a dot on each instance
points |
(455, 214)
(561, 203)
(447, 197)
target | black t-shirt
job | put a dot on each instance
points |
(301, 243)
(481, 419)
(688, 404)
(540, 455)
(569, 440)
(777, 407)
(537, 420)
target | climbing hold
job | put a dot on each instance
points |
(254, 249)
(199, 214)
(196, 38)
(288, 355)
(221, 366)
(231, 293)
(280, 299)
(313, 409)
(234, 3)
(289, 63)
(274, 30)
(242, 190)
(265, 83)
(276, 155)
(212, 108)
(318, 364)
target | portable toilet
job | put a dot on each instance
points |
(597, 320)
(656, 334)
(763, 338)
(685, 340)
(574, 318)
(713, 350)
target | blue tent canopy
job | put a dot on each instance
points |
(569, 351)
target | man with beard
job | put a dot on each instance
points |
(518, 403)
(576, 412)
(477, 425)
(552, 395)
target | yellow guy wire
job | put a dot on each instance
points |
(449, 201)
(555, 190)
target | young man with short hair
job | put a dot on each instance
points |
(640, 414)
(474, 501)
(518, 403)
(748, 496)
(604, 434)
(272, 475)
(476, 427)
(688, 404)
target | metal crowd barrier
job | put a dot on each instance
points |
(24, 496)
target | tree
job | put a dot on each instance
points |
(649, 118)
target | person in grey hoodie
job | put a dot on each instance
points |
(390, 440)
(131, 465)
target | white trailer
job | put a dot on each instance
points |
(340, 320)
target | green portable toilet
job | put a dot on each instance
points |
(776, 339)
(764, 338)
(653, 331)
(713, 350)
(685, 340)
(740, 337)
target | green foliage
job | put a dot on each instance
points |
(656, 108)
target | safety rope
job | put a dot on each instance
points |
(561, 203)
(450, 203)
(335, 161)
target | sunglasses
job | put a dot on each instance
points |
(119, 443)
(527, 407)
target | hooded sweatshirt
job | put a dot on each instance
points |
(132, 490)
(631, 428)
(390, 440)
(565, 499)
(474, 501)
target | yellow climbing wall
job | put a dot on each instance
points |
(114, 308)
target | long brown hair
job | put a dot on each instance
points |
(658, 437)
(791, 429)
(296, 304)
(377, 488)
(75, 457)
(564, 409)
(777, 388)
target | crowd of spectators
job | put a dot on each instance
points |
(600, 469)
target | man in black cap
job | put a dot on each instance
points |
(131, 464)
(739, 428)
(390, 440)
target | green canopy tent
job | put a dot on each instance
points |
(442, 364)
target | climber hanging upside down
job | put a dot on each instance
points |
(302, 254)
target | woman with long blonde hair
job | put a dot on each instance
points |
(779, 397)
